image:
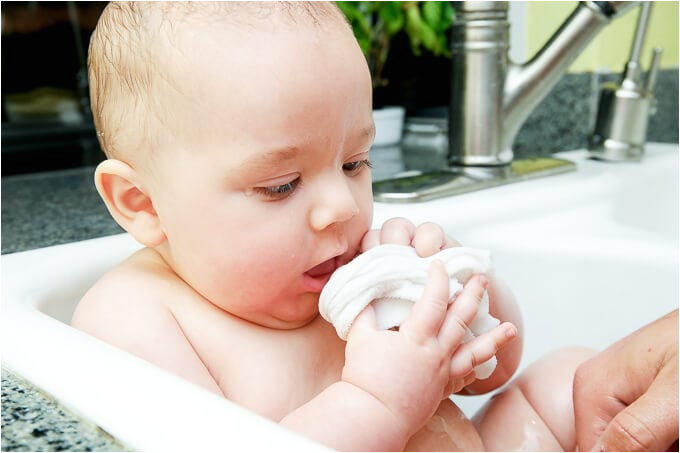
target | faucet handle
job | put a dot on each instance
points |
(623, 113)
(650, 82)
(624, 110)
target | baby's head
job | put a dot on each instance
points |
(237, 137)
(144, 58)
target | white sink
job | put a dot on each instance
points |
(591, 256)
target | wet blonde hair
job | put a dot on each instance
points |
(126, 68)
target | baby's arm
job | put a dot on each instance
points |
(428, 239)
(121, 312)
(394, 381)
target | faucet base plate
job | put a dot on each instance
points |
(423, 186)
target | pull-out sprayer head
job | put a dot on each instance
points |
(624, 109)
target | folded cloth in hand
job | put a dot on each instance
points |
(393, 278)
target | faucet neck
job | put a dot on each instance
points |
(527, 84)
(490, 96)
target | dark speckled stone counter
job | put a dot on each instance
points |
(41, 210)
(31, 421)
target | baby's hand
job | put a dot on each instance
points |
(427, 239)
(411, 371)
(483, 347)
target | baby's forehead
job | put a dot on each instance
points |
(172, 15)
(160, 29)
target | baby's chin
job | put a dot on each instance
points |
(305, 312)
(286, 324)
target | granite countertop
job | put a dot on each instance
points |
(40, 210)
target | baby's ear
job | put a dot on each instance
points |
(121, 188)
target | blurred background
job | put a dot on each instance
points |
(46, 122)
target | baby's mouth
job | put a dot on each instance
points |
(317, 277)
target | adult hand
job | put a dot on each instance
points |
(626, 397)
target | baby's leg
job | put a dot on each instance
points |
(536, 412)
(448, 430)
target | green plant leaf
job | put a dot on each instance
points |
(414, 26)
(392, 16)
(374, 23)
(358, 17)
(432, 13)
(448, 15)
(429, 39)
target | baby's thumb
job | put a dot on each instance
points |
(364, 321)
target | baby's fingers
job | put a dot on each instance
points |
(397, 230)
(482, 348)
(457, 383)
(429, 311)
(462, 311)
(428, 239)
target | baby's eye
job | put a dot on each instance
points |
(354, 167)
(277, 192)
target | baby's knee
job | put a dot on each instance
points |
(547, 385)
(448, 430)
(552, 376)
(563, 361)
(536, 410)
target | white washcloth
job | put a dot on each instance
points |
(393, 277)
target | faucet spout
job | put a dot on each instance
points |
(491, 96)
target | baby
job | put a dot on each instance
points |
(237, 139)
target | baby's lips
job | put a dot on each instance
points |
(316, 278)
(327, 267)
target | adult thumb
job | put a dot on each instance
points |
(648, 424)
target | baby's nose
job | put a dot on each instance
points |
(333, 205)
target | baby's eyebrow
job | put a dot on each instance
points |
(269, 159)
(277, 157)
(369, 132)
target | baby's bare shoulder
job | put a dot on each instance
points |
(129, 300)
(131, 307)
(138, 278)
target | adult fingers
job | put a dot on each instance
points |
(649, 424)
(594, 408)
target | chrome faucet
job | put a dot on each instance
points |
(491, 97)
(624, 109)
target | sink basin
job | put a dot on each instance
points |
(591, 256)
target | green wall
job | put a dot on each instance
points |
(610, 49)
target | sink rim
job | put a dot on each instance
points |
(84, 380)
